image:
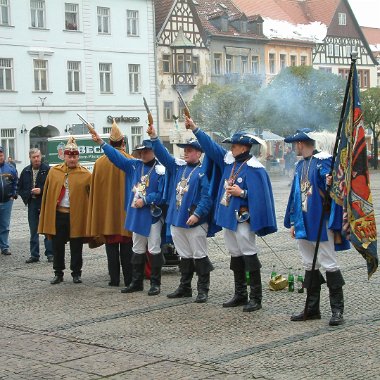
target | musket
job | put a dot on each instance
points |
(186, 110)
(150, 117)
(86, 123)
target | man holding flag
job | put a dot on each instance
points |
(306, 204)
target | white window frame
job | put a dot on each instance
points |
(37, 14)
(134, 78)
(244, 64)
(168, 111)
(5, 12)
(282, 61)
(104, 20)
(293, 59)
(6, 74)
(8, 141)
(74, 76)
(255, 64)
(105, 77)
(41, 74)
(166, 58)
(272, 63)
(342, 18)
(72, 12)
(217, 63)
(136, 135)
(195, 65)
(132, 23)
(229, 64)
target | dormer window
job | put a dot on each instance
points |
(342, 19)
(224, 24)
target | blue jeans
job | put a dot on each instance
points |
(33, 219)
(5, 219)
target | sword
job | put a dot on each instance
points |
(86, 123)
(186, 110)
(150, 117)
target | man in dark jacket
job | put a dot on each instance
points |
(8, 193)
(30, 188)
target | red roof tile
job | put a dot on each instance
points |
(372, 35)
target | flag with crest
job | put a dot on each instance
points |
(351, 185)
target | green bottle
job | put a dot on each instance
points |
(273, 273)
(247, 278)
(300, 288)
(291, 280)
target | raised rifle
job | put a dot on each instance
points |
(87, 124)
(150, 117)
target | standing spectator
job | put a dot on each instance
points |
(244, 208)
(189, 208)
(8, 193)
(64, 211)
(31, 187)
(11, 162)
(107, 214)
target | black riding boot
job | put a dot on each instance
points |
(113, 261)
(137, 284)
(253, 265)
(335, 284)
(203, 267)
(241, 296)
(156, 262)
(312, 283)
(186, 267)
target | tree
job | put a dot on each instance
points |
(371, 113)
(225, 109)
(300, 97)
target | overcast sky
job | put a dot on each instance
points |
(367, 12)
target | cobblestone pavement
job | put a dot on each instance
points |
(92, 331)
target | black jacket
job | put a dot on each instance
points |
(25, 183)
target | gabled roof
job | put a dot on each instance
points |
(372, 35)
(162, 9)
(293, 11)
(208, 10)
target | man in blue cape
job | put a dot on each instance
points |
(244, 208)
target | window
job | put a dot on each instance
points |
(243, 26)
(73, 76)
(166, 63)
(132, 23)
(217, 64)
(6, 74)
(71, 16)
(103, 20)
(134, 78)
(326, 69)
(348, 50)
(255, 64)
(8, 141)
(272, 63)
(4, 12)
(303, 60)
(105, 77)
(363, 78)
(244, 65)
(341, 18)
(330, 50)
(337, 50)
(168, 111)
(229, 60)
(136, 135)
(184, 63)
(195, 65)
(107, 129)
(293, 60)
(282, 61)
(40, 75)
(344, 73)
(37, 13)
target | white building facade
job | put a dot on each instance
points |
(58, 58)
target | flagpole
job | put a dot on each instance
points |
(354, 56)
